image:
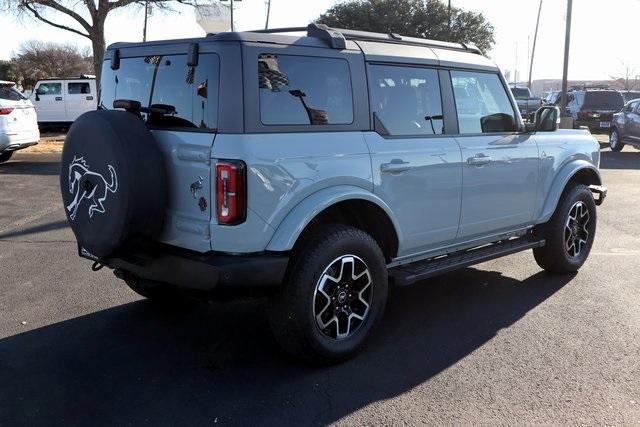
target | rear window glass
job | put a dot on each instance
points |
(10, 93)
(520, 92)
(605, 99)
(628, 96)
(300, 90)
(191, 92)
(77, 88)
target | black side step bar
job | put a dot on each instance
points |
(408, 274)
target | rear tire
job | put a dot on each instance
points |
(334, 294)
(614, 141)
(570, 232)
(4, 157)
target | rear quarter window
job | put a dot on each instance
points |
(167, 80)
(301, 90)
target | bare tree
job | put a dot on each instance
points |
(89, 17)
(38, 60)
(627, 76)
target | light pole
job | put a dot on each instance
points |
(565, 70)
(146, 14)
(533, 50)
(231, 8)
(266, 24)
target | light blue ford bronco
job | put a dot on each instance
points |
(316, 166)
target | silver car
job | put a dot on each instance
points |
(316, 166)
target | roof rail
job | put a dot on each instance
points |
(320, 31)
(336, 37)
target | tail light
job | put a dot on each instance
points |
(5, 110)
(583, 115)
(231, 192)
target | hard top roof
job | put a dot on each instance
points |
(375, 46)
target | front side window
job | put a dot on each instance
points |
(188, 94)
(406, 99)
(482, 103)
(302, 90)
(79, 88)
(49, 89)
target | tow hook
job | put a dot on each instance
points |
(600, 191)
(97, 266)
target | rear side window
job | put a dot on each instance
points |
(604, 100)
(78, 88)
(190, 92)
(301, 90)
(482, 103)
(10, 93)
(49, 89)
(406, 99)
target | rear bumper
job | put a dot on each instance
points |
(18, 141)
(202, 272)
(592, 125)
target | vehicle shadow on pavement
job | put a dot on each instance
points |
(36, 229)
(619, 160)
(28, 167)
(135, 364)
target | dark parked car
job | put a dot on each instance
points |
(630, 95)
(527, 103)
(625, 128)
(594, 108)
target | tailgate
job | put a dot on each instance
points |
(188, 166)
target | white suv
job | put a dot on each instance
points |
(18, 121)
(61, 101)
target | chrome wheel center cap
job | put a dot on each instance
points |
(342, 297)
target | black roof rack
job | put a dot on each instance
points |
(336, 37)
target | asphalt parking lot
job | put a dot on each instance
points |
(499, 343)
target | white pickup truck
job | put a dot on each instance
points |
(61, 101)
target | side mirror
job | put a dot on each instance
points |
(547, 119)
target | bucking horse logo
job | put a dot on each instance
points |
(89, 185)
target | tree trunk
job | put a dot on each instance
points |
(98, 46)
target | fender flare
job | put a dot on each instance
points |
(303, 213)
(560, 182)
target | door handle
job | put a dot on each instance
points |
(58, 98)
(479, 160)
(396, 166)
(89, 98)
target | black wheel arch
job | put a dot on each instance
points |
(360, 214)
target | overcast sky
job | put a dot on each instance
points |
(603, 38)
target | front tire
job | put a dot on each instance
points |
(569, 234)
(4, 157)
(335, 292)
(614, 141)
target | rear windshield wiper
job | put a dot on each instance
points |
(135, 107)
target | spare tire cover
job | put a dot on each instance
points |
(112, 181)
